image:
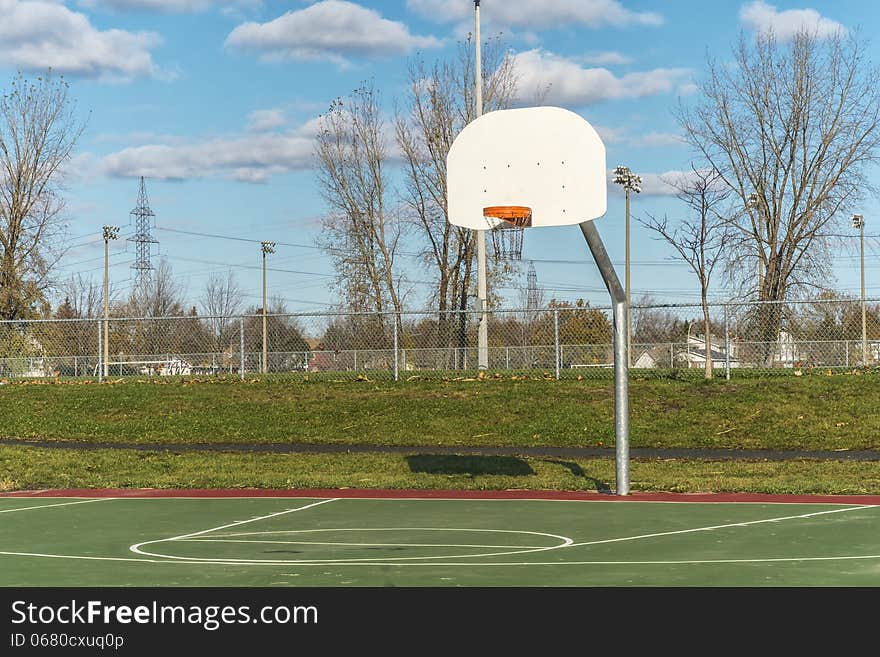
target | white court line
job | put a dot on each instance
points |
(136, 548)
(85, 558)
(242, 562)
(428, 545)
(714, 527)
(47, 506)
(565, 542)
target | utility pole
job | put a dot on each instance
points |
(859, 223)
(483, 329)
(110, 233)
(755, 203)
(630, 183)
(267, 247)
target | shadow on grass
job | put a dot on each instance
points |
(453, 464)
(578, 471)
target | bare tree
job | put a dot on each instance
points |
(796, 125)
(85, 297)
(221, 299)
(361, 230)
(38, 132)
(160, 296)
(439, 104)
(702, 237)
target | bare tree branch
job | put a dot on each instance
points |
(38, 132)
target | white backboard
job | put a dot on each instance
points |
(546, 158)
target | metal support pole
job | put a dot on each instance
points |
(726, 344)
(396, 364)
(241, 347)
(106, 304)
(628, 299)
(482, 295)
(621, 364)
(263, 364)
(100, 353)
(864, 322)
(556, 339)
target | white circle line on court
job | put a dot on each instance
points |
(564, 542)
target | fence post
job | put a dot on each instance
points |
(396, 355)
(100, 352)
(726, 344)
(556, 338)
(241, 347)
(507, 358)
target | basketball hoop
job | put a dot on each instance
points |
(506, 224)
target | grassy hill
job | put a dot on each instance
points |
(810, 412)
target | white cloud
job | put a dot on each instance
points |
(661, 184)
(653, 184)
(605, 59)
(168, 6)
(537, 15)
(37, 35)
(253, 158)
(763, 17)
(610, 135)
(266, 119)
(568, 83)
(659, 139)
(328, 30)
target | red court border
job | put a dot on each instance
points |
(428, 494)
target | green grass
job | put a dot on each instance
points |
(809, 412)
(813, 412)
(39, 468)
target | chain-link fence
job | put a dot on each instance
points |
(565, 341)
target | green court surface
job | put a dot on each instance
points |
(235, 542)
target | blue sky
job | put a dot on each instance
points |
(215, 101)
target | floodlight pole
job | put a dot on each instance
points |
(630, 183)
(110, 233)
(621, 362)
(859, 222)
(755, 203)
(266, 247)
(483, 329)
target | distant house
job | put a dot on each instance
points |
(657, 356)
(787, 352)
(695, 353)
(322, 359)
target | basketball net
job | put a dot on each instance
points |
(506, 224)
